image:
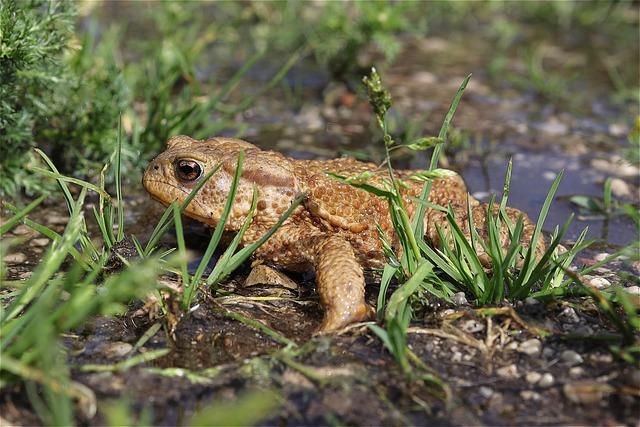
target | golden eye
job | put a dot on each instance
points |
(188, 170)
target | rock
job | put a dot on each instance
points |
(57, 219)
(619, 188)
(548, 353)
(459, 298)
(424, 78)
(529, 395)
(508, 372)
(553, 127)
(618, 129)
(576, 372)
(21, 230)
(42, 241)
(633, 290)
(533, 377)
(471, 326)
(569, 314)
(530, 347)
(571, 358)
(531, 301)
(114, 350)
(263, 275)
(485, 392)
(456, 357)
(546, 380)
(600, 257)
(586, 392)
(15, 258)
(597, 282)
(549, 175)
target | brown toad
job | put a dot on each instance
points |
(332, 232)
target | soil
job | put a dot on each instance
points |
(528, 364)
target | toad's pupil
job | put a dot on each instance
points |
(188, 170)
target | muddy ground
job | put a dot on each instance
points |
(532, 363)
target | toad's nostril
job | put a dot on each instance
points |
(156, 167)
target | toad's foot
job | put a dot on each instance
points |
(340, 284)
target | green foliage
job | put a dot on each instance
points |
(33, 37)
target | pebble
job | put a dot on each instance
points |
(531, 301)
(600, 257)
(586, 392)
(529, 395)
(459, 298)
(508, 372)
(571, 358)
(597, 282)
(619, 188)
(530, 347)
(553, 127)
(471, 326)
(533, 377)
(633, 290)
(576, 372)
(42, 241)
(569, 314)
(57, 219)
(546, 380)
(15, 258)
(549, 175)
(457, 357)
(548, 353)
(116, 349)
(485, 392)
(21, 230)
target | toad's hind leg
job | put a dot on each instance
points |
(340, 284)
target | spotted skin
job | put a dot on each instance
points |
(332, 232)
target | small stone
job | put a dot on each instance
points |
(529, 395)
(513, 345)
(546, 380)
(15, 258)
(576, 372)
(548, 353)
(618, 129)
(553, 127)
(485, 392)
(600, 257)
(587, 391)
(459, 298)
(457, 357)
(601, 358)
(116, 349)
(634, 378)
(549, 175)
(533, 377)
(571, 358)
(57, 219)
(597, 282)
(531, 301)
(633, 290)
(21, 230)
(569, 314)
(264, 275)
(530, 347)
(508, 372)
(42, 241)
(620, 188)
(471, 326)
(24, 275)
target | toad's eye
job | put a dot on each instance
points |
(188, 170)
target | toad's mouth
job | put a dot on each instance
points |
(162, 188)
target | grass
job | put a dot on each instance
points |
(517, 271)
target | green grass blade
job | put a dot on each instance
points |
(17, 217)
(418, 220)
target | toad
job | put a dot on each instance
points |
(333, 231)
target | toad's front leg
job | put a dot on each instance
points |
(339, 277)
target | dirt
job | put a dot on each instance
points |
(530, 364)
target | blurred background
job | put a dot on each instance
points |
(555, 86)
